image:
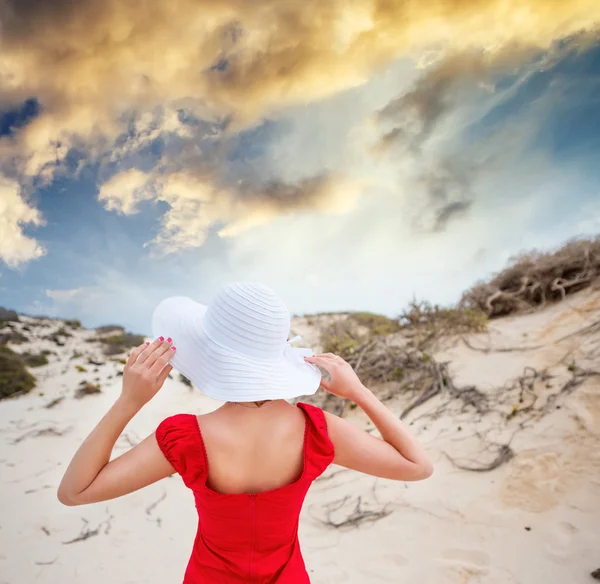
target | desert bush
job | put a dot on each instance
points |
(86, 388)
(7, 315)
(443, 320)
(343, 336)
(35, 360)
(73, 323)
(109, 328)
(12, 337)
(116, 344)
(63, 332)
(378, 324)
(534, 278)
(14, 377)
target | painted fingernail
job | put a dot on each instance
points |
(161, 339)
(173, 348)
(169, 339)
(147, 343)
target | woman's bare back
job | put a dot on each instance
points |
(252, 450)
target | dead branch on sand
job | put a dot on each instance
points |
(49, 431)
(356, 517)
(504, 453)
(151, 507)
(86, 533)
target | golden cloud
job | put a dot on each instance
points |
(197, 205)
(90, 64)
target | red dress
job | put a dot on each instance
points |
(245, 538)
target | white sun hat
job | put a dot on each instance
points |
(236, 348)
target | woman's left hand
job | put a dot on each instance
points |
(146, 371)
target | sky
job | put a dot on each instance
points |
(350, 155)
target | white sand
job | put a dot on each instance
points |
(456, 527)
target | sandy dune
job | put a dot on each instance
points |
(534, 519)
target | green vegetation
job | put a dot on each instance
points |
(7, 315)
(35, 360)
(73, 323)
(378, 324)
(343, 336)
(116, 344)
(14, 337)
(512, 413)
(57, 336)
(109, 328)
(440, 320)
(86, 388)
(340, 345)
(80, 368)
(63, 332)
(14, 377)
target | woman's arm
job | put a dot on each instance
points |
(397, 456)
(91, 476)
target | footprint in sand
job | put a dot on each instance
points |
(467, 566)
(560, 541)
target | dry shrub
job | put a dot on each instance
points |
(35, 359)
(534, 278)
(14, 337)
(14, 377)
(378, 324)
(343, 336)
(434, 320)
(86, 388)
(117, 344)
(109, 328)
(7, 315)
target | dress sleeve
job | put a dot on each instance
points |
(320, 449)
(178, 439)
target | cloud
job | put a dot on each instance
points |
(438, 126)
(89, 63)
(63, 295)
(15, 214)
(112, 79)
(125, 191)
(197, 206)
(416, 113)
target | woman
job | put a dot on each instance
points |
(251, 461)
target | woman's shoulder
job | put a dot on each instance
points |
(320, 448)
(314, 413)
(177, 436)
(177, 424)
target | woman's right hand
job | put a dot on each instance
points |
(396, 455)
(343, 380)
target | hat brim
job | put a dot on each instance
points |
(225, 374)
